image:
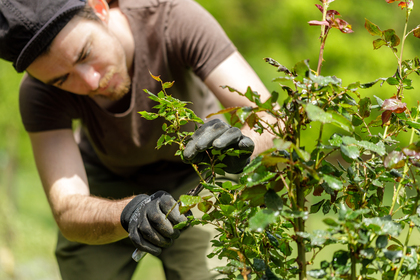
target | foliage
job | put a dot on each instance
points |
(261, 217)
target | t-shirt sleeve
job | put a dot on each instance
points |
(40, 107)
(196, 37)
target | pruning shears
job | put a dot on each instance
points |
(137, 254)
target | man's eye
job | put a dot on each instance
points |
(85, 54)
(62, 80)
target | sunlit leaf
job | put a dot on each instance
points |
(333, 182)
(262, 219)
(351, 151)
(317, 114)
(395, 105)
(317, 273)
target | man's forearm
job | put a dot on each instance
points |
(90, 220)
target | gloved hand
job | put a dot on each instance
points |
(219, 135)
(144, 218)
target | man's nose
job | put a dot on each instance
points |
(89, 76)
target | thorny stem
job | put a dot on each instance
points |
(323, 38)
(406, 168)
(410, 230)
(402, 46)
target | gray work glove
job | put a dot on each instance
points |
(144, 218)
(219, 135)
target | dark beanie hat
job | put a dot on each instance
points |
(27, 27)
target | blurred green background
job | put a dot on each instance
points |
(269, 28)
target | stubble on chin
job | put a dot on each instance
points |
(122, 89)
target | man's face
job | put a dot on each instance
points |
(86, 59)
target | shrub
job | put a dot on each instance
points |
(262, 219)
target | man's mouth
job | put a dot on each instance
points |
(105, 81)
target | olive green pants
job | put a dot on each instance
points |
(186, 259)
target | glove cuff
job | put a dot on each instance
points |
(129, 209)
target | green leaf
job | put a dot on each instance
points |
(393, 256)
(317, 114)
(378, 43)
(273, 201)
(227, 209)
(148, 116)
(204, 206)
(392, 39)
(333, 182)
(262, 219)
(317, 273)
(378, 148)
(381, 241)
(225, 269)
(350, 151)
(280, 144)
(181, 225)
(305, 156)
(316, 207)
(189, 200)
(392, 81)
(252, 192)
(412, 124)
(302, 68)
(243, 113)
(340, 259)
(341, 122)
(335, 140)
(372, 28)
(331, 222)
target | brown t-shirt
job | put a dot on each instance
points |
(176, 39)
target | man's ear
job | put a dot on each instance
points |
(100, 8)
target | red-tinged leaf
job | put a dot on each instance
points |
(402, 5)
(320, 7)
(157, 78)
(372, 28)
(343, 25)
(386, 116)
(332, 13)
(394, 160)
(395, 105)
(416, 32)
(318, 22)
(412, 151)
(318, 190)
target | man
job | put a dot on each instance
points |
(90, 62)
